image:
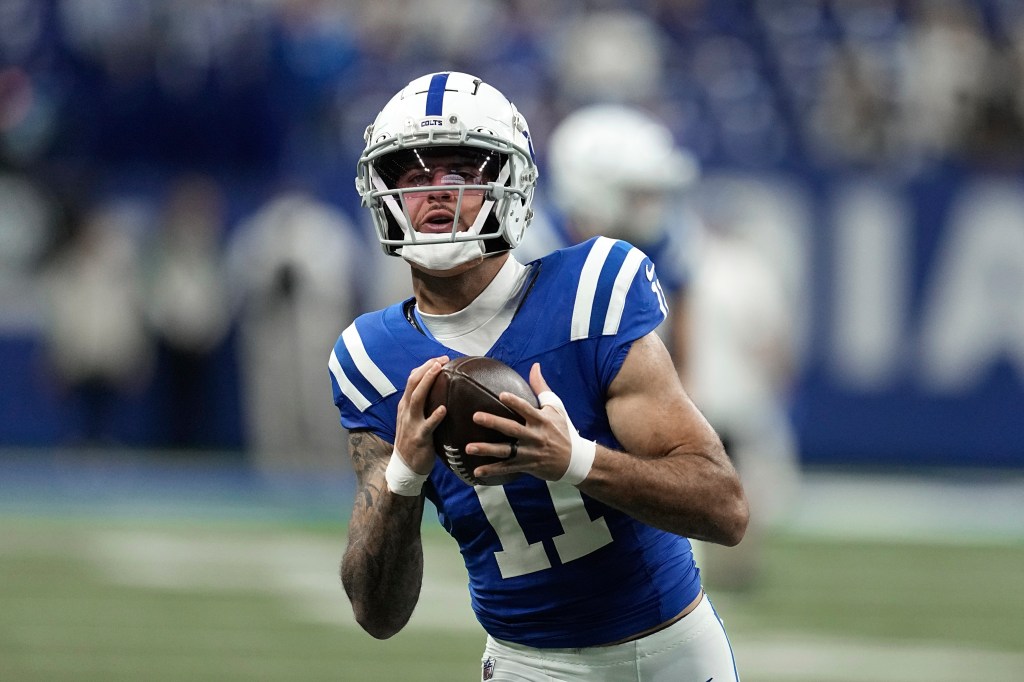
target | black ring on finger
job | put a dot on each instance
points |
(515, 449)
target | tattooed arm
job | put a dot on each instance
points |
(382, 569)
(383, 564)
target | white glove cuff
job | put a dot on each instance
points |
(581, 458)
(401, 479)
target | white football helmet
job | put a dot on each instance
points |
(613, 167)
(440, 115)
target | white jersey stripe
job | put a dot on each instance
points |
(587, 288)
(619, 290)
(367, 367)
(346, 386)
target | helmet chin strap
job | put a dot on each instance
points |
(443, 256)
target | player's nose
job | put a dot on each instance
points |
(444, 183)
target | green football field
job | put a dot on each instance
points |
(214, 582)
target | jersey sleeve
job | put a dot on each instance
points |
(618, 300)
(362, 389)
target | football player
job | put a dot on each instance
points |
(617, 171)
(581, 569)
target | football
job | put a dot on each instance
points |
(468, 385)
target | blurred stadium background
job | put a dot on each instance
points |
(180, 244)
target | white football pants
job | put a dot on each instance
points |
(693, 649)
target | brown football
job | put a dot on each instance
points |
(468, 385)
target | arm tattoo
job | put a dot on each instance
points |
(366, 464)
(382, 569)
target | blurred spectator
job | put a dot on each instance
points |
(27, 218)
(611, 55)
(944, 74)
(188, 306)
(853, 116)
(453, 30)
(248, 85)
(743, 361)
(293, 268)
(96, 338)
(994, 127)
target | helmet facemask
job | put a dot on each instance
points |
(440, 192)
(440, 203)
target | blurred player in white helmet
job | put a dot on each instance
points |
(581, 568)
(617, 171)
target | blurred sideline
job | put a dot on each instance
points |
(942, 505)
(952, 506)
(166, 486)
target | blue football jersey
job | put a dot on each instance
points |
(548, 566)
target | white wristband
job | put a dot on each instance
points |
(581, 461)
(581, 458)
(401, 479)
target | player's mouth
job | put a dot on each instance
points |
(437, 222)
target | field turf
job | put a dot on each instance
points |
(167, 583)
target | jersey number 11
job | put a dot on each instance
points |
(580, 536)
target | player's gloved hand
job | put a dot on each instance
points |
(413, 457)
(548, 445)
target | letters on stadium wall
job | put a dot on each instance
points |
(912, 314)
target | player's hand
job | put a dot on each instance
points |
(413, 432)
(544, 444)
